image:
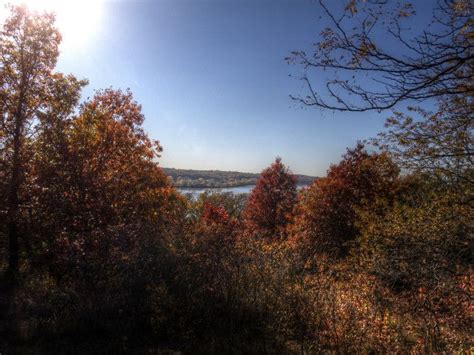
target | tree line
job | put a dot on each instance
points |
(218, 179)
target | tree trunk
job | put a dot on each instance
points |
(13, 199)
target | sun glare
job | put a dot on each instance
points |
(78, 20)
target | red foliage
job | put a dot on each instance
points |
(214, 214)
(213, 235)
(326, 213)
(270, 204)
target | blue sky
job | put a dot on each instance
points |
(213, 83)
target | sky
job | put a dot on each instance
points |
(212, 79)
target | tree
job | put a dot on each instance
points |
(103, 214)
(365, 73)
(440, 143)
(97, 181)
(271, 202)
(326, 215)
(28, 51)
(214, 235)
(233, 203)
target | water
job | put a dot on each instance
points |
(196, 191)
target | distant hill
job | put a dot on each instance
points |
(219, 179)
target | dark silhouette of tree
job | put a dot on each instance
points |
(367, 71)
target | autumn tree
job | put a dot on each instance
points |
(214, 235)
(326, 215)
(271, 202)
(104, 214)
(439, 143)
(28, 51)
(97, 180)
(233, 203)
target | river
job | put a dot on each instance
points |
(196, 191)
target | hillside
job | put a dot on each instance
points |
(217, 178)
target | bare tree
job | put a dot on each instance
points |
(366, 72)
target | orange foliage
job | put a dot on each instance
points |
(99, 181)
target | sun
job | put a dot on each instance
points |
(77, 20)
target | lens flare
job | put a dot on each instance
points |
(78, 20)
